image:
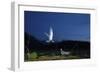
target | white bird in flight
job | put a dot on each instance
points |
(50, 35)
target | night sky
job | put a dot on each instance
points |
(66, 26)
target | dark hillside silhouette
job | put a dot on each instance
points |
(77, 48)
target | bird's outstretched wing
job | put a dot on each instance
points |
(47, 34)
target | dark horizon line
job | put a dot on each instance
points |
(58, 40)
